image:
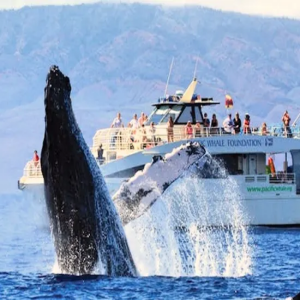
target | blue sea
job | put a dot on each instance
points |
(27, 258)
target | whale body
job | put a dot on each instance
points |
(140, 192)
(85, 225)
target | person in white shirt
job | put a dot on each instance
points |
(116, 136)
(228, 124)
(134, 123)
(117, 122)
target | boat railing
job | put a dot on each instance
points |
(128, 139)
(32, 169)
(279, 177)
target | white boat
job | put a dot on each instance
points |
(268, 199)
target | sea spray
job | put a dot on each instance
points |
(197, 228)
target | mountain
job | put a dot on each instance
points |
(118, 58)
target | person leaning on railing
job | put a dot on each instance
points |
(189, 130)
(237, 123)
(118, 124)
(228, 125)
(35, 158)
(264, 130)
(141, 137)
(34, 167)
(206, 124)
(247, 129)
(286, 124)
(170, 130)
(198, 129)
(214, 130)
(100, 157)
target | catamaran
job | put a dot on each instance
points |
(268, 197)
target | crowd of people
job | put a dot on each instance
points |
(232, 126)
(138, 131)
(212, 127)
(208, 127)
(134, 123)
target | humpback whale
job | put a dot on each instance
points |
(137, 195)
(85, 225)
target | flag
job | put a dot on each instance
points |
(228, 101)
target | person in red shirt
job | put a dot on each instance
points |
(189, 130)
(247, 129)
(35, 158)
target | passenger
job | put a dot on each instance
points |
(237, 123)
(145, 119)
(247, 129)
(116, 136)
(152, 131)
(264, 130)
(228, 125)
(206, 123)
(35, 158)
(134, 124)
(198, 129)
(100, 157)
(189, 130)
(286, 124)
(214, 125)
(117, 122)
(170, 130)
(141, 119)
(143, 136)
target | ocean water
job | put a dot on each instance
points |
(27, 258)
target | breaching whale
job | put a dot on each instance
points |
(84, 222)
(140, 192)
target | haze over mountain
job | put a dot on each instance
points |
(118, 57)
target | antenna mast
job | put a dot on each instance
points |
(169, 76)
(196, 66)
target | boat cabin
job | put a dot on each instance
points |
(181, 112)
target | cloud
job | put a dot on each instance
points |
(287, 8)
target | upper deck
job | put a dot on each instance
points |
(120, 142)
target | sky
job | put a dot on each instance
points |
(282, 8)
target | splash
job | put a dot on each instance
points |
(197, 228)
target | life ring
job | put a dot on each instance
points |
(271, 165)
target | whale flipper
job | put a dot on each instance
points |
(140, 192)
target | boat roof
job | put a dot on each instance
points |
(203, 102)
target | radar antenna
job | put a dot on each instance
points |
(171, 66)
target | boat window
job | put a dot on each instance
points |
(158, 114)
(173, 112)
(187, 115)
(198, 116)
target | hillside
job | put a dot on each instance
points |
(118, 57)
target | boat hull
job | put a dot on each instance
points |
(251, 203)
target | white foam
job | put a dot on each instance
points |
(200, 249)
